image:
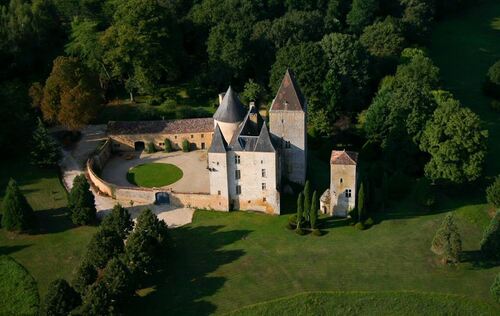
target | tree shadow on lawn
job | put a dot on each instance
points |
(477, 260)
(186, 281)
(53, 221)
(7, 250)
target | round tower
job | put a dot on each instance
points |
(229, 115)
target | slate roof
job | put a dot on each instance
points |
(342, 157)
(196, 125)
(219, 144)
(289, 97)
(231, 110)
(252, 135)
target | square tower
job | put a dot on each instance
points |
(343, 182)
(287, 120)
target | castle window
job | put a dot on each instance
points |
(191, 135)
(238, 189)
(261, 162)
(175, 137)
(161, 144)
(237, 159)
(263, 199)
(263, 186)
(201, 135)
(263, 173)
(341, 180)
(237, 174)
(217, 163)
(348, 193)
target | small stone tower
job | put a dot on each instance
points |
(229, 114)
(287, 120)
(341, 197)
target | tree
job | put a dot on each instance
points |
(71, 94)
(456, 142)
(81, 202)
(97, 301)
(361, 202)
(447, 242)
(85, 276)
(307, 200)
(417, 18)
(118, 280)
(118, 221)
(150, 148)
(493, 193)
(490, 244)
(252, 91)
(492, 84)
(60, 299)
(313, 214)
(362, 14)
(495, 288)
(45, 150)
(104, 245)
(295, 27)
(300, 208)
(168, 145)
(17, 214)
(146, 244)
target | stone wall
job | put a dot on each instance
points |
(126, 142)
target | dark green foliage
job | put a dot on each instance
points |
(495, 288)
(150, 148)
(493, 193)
(424, 194)
(447, 242)
(118, 280)
(86, 275)
(417, 18)
(398, 185)
(317, 232)
(360, 226)
(118, 221)
(60, 299)
(252, 92)
(185, 145)
(362, 14)
(97, 301)
(45, 151)
(492, 84)
(168, 145)
(299, 231)
(307, 200)
(313, 212)
(490, 244)
(300, 207)
(17, 214)
(361, 203)
(81, 202)
(369, 222)
(146, 245)
(104, 245)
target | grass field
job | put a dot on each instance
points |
(55, 250)
(151, 175)
(18, 290)
(366, 303)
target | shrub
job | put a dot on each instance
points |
(300, 231)
(60, 299)
(81, 202)
(150, 148)
(169, 104)
(313, 214)
(359, 226)
(307, 200)
(447, 241)
(17, 214)
(495, 105)
(490, 244)
(185, 145)
(369, 222)
(493, 193)
(154, 100)
(495, 288)
(317, 232)
(424, 195)
(168, 145)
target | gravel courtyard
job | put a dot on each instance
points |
(193, 165)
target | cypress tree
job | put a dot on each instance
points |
(447, 241)
(307, 200)
(85, 276)
(493, 193)
(313, 216)
(17, 214)
(495, 288)
(490, 244)
(361, 202)
(118, 221)
(104, 245)
(118, 279)
(45, 150)
(300, 208)
(81, 202)
(60, 299)
(168, 145)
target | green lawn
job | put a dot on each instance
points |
(151, 175)
(18, 291)
(366, 303)
(56, 249)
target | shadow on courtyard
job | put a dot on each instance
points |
(186, 283)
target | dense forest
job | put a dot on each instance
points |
(360, 63)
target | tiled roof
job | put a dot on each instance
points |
(289, 97)
(342, 157)
(196, 125)
(231, 110)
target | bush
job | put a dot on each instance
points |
(300, 231)
(17, 214)
(495, 105)
(150, 148)
(168, 145)
(185, 145)
(60, 299)
(495, 288)
(493, 193)
(169, 104)
(359, 226)
(424, 195)
(490, 244)
(154, 100)
(369, 222)
(317, 232)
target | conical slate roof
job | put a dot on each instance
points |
(264, 143)
(289, 97)
(219, 144)
(231, 110)
(252, 135)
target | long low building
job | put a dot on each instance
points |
(135, 135)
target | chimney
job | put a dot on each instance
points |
(253, 112)
(221, 96)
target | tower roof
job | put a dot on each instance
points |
(253, 134)
(219, 144)
(289, 96)
(342, 157)
(264, 143)
(231, 110)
